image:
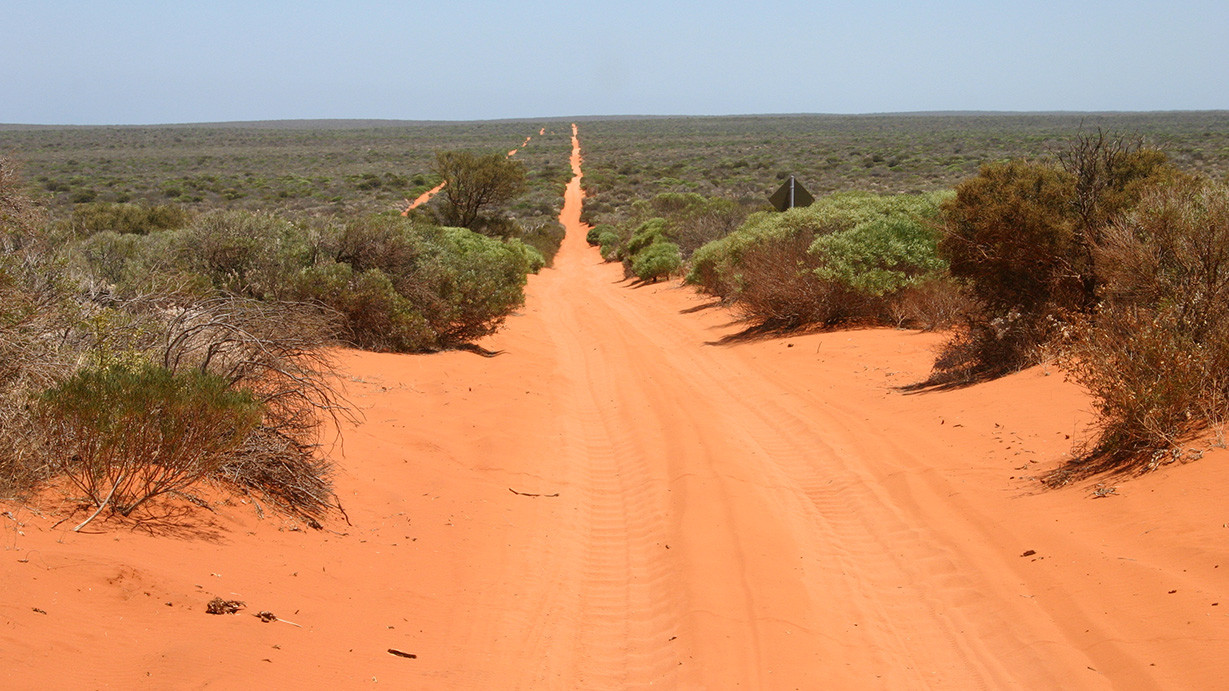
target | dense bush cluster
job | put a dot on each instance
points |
(1155, 354)
(1106, 255)
(143, 351)
(1118, 262)
(1022, 235)
(847, 256)
(127, 435)
(398, 284)
(661, 232)
(141, 219)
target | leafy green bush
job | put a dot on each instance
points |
(124, 436)
(545, 238)
(611, 245)
(778, 286)
(844, 257)
(111, 255)
(647, 233)
(594, 236)
(534, 261)
(880, 256)
(693, 219)
(402, 285)
(282, 353)
(475, 282)
(374, 315)
(243, 253)
(476, 187)
(657, 261)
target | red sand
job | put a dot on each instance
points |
(423, 198)
(522, 146)
(772, 514)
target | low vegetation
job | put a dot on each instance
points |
(161, 326)
(1104, 252)
(848, 257)
(1155, 353)
(1023, 234)
(148, 350)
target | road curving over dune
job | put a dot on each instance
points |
(618, 502)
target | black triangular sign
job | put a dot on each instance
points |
(791, 190)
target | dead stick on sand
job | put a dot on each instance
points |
(530, 494)
(398, 653)
(101, 506)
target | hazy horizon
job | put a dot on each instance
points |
(147, 63)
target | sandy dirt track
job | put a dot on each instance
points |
(426, 196)
(772, 514)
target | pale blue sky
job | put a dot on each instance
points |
(141, 61)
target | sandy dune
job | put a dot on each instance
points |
(616, 503)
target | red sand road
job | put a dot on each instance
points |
(522, 146)
(423, 198)
(614, 504)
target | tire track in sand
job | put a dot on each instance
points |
(788, 565)
(718, 524)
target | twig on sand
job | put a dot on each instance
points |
(267, 617)
(531, 494)
(398, 653)
(101, 506)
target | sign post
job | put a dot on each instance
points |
(790, 195)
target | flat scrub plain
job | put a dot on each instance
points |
(316, 167)
(746, 158)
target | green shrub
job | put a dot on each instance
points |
(693, 219)
(647, 233)
(657, 261)
(110, 255)
(844, 257)
(545, 238)
(282, 353)
(611, 246)
(778, 286)
(124, 436)
(88, 219)
(477, 186)
(594, 236)
(1011, 236)
(880, 256)
(374, 315)
(1022, 235)
(533, 259)
(475, 282)
(243, 253)
(379, 242)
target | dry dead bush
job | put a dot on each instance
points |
(36, 318)
(936, 304)
(279, 352)
(779, 287)
(1156, 355)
